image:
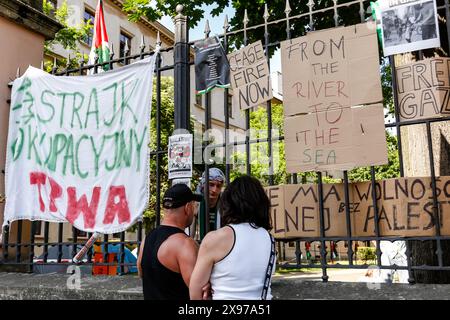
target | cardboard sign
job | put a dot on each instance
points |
(250, 76)
(295, 210)
(335, 139)
(423, 89)
(276, 197)
(405, 208)
(331, 69)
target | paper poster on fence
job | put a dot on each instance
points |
(250, 76)
(331, 69)
(408, 25)
(423, 89)
(78, 148)
(180, 156)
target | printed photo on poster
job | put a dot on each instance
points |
(408, 25)
(180, 156)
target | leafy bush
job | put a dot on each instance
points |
(366, 253)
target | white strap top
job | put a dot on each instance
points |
(241, 274)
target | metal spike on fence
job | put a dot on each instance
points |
(336, 16)
(207, 29)
(142, 46)
(226, 25)
(245, 18)
(311, 5)
(266, 13)
(158, 39)
(42, 64)
(111, 52)
(18, 72)
(127, 48)
(55, 66)
(288, 9)
(68, 61)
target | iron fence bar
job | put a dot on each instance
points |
(268, 103)
(122, 252)
(323, 251)
(436, 209)
(413, 122)
(105, 248)
(247, 111)
(108, 63)
(60, 240)
(74, 241)
(32, 240)
(375, 212)
(298, 252)
(46, 231)
(312, 239)
(447, 17)
(397, 114)
(89, 252)
(19, 240)
(408, 253)
(365, 266)
(5, 243)
(158, 139)
(348, 218)
(206, 159)
(226, 107)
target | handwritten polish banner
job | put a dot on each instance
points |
(404, 206)
(77, 148)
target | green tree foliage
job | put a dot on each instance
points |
(68, 37)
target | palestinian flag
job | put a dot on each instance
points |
(100, 40)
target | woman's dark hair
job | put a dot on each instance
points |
(244, 200)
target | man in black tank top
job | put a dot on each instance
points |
(168, 255)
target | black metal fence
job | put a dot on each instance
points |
(316, 13)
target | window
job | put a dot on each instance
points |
(54, 3)
(124, 38)
(199, 100)
(81, 233)
(230, 106)
(37, 228)
(89, 15)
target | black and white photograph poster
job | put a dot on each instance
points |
(408, 25)
(180, 156)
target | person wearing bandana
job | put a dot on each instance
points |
(216, 182)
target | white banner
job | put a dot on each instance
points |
(78, 148)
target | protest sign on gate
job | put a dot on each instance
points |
(249, 76)
(78, 148)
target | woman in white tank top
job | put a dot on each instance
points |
(235, 258)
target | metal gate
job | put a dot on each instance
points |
(330, 16)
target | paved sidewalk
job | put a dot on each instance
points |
(15, 286)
